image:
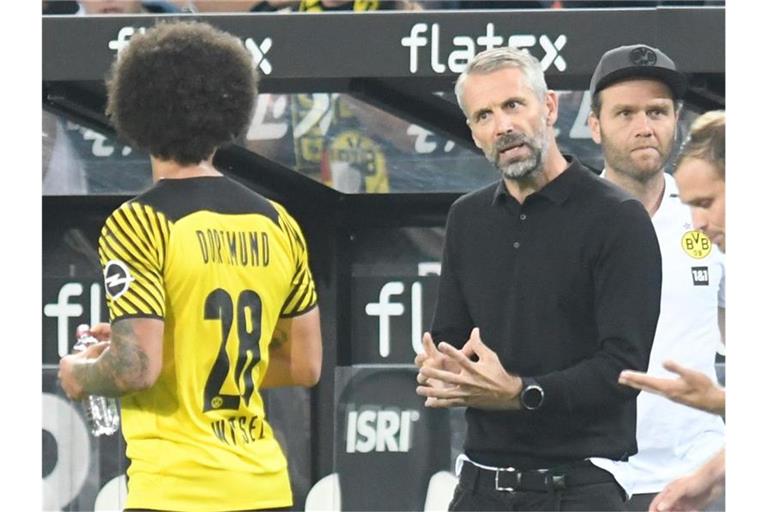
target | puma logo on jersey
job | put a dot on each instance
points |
(117, 278)
(700, 276)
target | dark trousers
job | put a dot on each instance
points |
(640, 502)
(473, 494)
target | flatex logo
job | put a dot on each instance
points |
(124, 37)
(382, 431)
(71, 303)
(465, 47)
(258, 51)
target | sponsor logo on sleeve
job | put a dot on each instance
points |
(117, 278)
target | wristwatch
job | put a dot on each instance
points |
(532, 396)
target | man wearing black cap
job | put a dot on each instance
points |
(636, 93)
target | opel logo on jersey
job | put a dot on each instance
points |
(117, 278)
(642, 56)
(696, 244)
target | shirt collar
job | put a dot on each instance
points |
(556, 190)
(670, 189)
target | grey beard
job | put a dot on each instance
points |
(523, 168)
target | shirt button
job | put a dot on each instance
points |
(516, 245)
(523, 216)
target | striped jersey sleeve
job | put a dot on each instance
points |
(132, 250)
(303, 295)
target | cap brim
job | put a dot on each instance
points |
(674, 79)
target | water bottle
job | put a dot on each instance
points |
(100, 411)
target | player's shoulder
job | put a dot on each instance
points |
(216, 194)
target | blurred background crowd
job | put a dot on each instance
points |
(95, 7)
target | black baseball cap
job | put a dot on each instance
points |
(637, 61)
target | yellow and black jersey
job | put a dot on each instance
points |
(219, 264)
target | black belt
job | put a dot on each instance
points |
(542, 480)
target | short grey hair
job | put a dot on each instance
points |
(494, 59)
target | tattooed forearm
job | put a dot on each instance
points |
(120, 369)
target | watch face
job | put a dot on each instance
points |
(532, 397)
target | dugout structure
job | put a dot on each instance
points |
(357, 133)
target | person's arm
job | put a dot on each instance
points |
(627, 284)
(296, 352)
(694, 491)
(721, 323)
(721, 305)
(627, 300)
(691, 388)
(132, 253)
(451, 321)
(131, 361)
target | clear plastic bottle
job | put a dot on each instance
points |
(101, 411)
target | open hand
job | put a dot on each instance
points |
(691, 388)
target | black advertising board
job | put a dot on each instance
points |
(302, 50)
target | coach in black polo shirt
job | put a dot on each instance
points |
(550, 287)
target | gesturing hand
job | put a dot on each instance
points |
(457, 381)
(432, 358)
(692, 388)
(694, 491)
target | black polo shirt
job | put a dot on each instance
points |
(565, 288)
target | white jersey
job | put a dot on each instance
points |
(674, 439)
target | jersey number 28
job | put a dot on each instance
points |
(219, 306)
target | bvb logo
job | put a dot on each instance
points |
(696, 244)
(217, 402)
(643, 56)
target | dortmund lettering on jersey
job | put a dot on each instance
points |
(219, 264)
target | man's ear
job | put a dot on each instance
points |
(594, 127)
(552, 102)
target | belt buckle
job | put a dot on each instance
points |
(557, 482)
(508, 470)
